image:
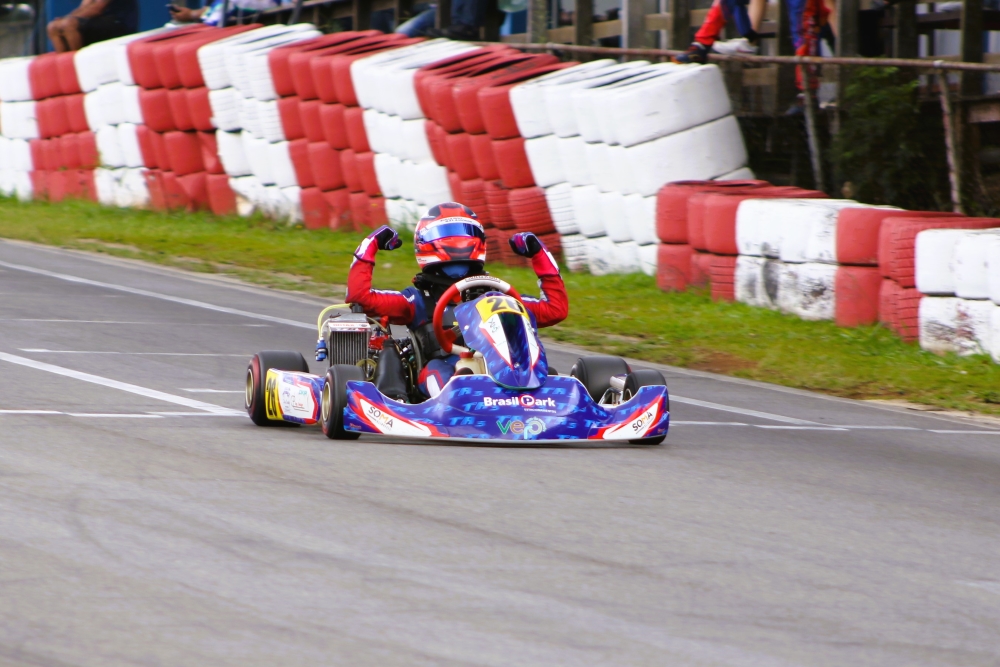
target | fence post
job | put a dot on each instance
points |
(538, 21)
(680, 24)
(361, 17)
(972, 45)
(633, 16)
(905, 38)
(442, 19)
(950, 142)
(583, 23)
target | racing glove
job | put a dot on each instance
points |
(528, 245)
(383, 238)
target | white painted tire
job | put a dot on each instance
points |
(413, 139)
(589, 104)
(613, 216)
(131, 110)
(282, 167)
(587, 211)
(105, 183)
(622, 179)
(388, 170)
(993, 270)
(249, 192)
(599, 165)
(15, 86)
(128, 142)
(748, 276)
(108, 148)
(679, 99)
(809, 227)
(259, 156)
(111, 99)
(574, 250)
(232, 154)
(543, 157)
(969, 263)
(601, 256)
(573, 155)
(92, 110)
(627, 257)
(226, 104)
(994, 340)
(527, 100)
(648, 258)
(18, 120)
(959, 326)
(933, 257)
(269, 121)
(703, 152)
(640, 214)
(560, 201)
(562, 116)
(293, 195)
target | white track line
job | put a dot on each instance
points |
(215, 391)
(157, 295)
(42, 350)
(113, 415)
(115, 384)
(740, 411)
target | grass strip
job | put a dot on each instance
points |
(624, 315)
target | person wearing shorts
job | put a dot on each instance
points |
(94, 21)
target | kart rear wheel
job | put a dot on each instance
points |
(334, 400)
(595, 373)
(644, 377)
(257, 375)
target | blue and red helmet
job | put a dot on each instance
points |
(451, 237)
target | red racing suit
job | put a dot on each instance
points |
(409, 306)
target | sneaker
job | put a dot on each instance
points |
(696, 53)
(741, 46)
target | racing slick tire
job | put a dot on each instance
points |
(645, 377)
(257, 375)
(595, 373)
(334, 400)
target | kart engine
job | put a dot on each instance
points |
(347, 336)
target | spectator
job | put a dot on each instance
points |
(93, 21)
(211, 14)
(706, 39)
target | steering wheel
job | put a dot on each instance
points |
(447, 337)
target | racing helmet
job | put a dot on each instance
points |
(450, 238)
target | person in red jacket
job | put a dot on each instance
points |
(450, 245)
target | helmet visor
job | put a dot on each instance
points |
(446, 229)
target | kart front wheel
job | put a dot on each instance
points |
(644, 377)
(334, 400)
(257, 376)
(595, 373)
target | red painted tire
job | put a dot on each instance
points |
(857, 293)
(315, 209)
(898, 239)
(331, 118)
(291, 120)
(349, 168)
(298, 151)
(210, 153)
(365, 166)
(76, 114)
(339, 202)
(460, 159)
(183, 152)
(155, 105)
(512, 162)
(87, 146)
(157, 195)
(69, 84)
(326, 167)
(712, 215)
(672, 205)
(436, 140)
(221, 198)
(858, 231)
(179, 109)
(200, 109)
(722, 274)
(52, 118)
(354, 123)
(482, 155)
(311, 124)
(701, 268)
(43, 76)
(195, 186)
(498, 205)
(530, 210)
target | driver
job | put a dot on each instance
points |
(450, 245)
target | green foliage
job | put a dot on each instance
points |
(624, 315)
(888, 150)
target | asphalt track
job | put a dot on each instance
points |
(145, 521)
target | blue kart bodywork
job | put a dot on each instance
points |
(474, 407)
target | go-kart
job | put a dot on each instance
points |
(503, 388)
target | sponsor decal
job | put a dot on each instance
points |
(271, 396)
(385, 421)
(526, 401)
(531, 427)
(492, 305)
